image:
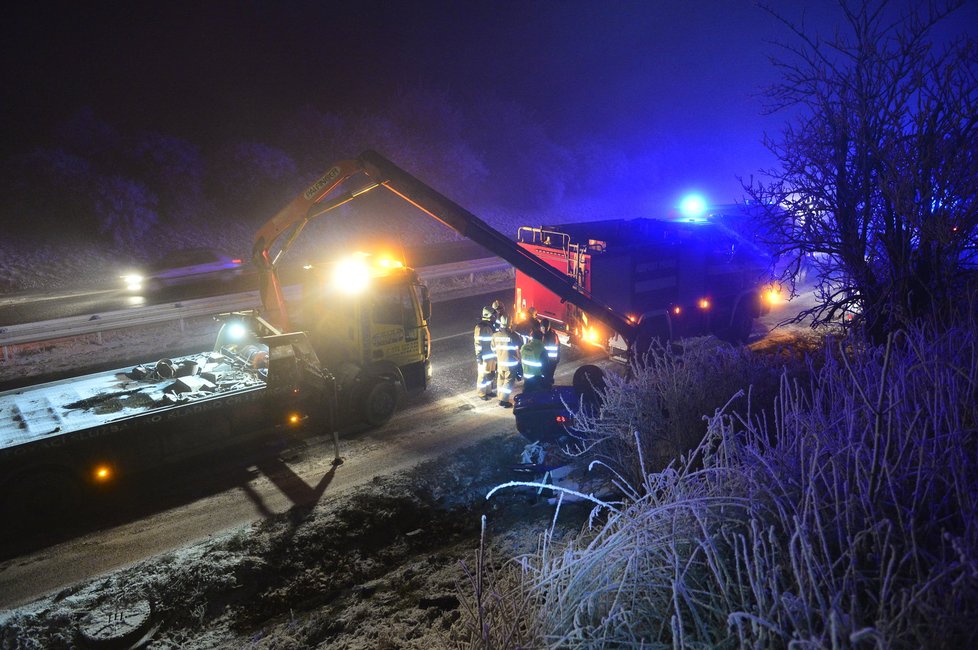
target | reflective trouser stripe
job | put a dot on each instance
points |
(488, 356)
(508, 364)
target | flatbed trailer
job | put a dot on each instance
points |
(63, 439)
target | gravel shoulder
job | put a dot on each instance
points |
(382, 566)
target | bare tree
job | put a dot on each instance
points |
(875, 189)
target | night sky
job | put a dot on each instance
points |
(680, 80)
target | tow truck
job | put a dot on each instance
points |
(344, 351)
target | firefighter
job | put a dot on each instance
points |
(551, 342)
(506, 345)
(500, 310)
(484, 356)
(533, 357)
(532, 325)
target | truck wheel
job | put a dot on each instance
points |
(379, 402)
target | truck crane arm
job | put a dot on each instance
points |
(383, 173)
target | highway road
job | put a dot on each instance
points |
(166, 512)
(34, 307)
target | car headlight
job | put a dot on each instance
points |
(133, 281)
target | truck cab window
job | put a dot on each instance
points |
(388, 308)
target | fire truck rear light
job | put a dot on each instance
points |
(561, 419)
(704, 303)
(677, 310)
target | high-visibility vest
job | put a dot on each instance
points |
(483, 341)
(552, 344)
(506, 345)
(532, 355)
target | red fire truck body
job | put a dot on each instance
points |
(679, 278)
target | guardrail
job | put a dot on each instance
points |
(180, 311)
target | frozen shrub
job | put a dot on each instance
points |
(657, 412)
(848, 520)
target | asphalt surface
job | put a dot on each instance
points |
(162, 513)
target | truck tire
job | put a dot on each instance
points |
(115, 624)
(379, 402)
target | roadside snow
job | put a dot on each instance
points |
(381, 567)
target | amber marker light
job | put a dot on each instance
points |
(704, 303)
(102, 473)
(773, 295)
(295, 418)
(677, 310)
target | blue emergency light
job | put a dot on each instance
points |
(693, 207)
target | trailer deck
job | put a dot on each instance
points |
(46, 411)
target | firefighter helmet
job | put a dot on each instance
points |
(487, 312)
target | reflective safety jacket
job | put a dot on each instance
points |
(531, 356)
(506, 345)
(483, 341)
(552, 343)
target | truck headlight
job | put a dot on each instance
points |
(351, 275)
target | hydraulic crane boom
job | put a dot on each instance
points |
(383, 173)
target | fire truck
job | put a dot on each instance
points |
(679, 278)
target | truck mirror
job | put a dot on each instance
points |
(425, 303)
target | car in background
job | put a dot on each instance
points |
(183, 267)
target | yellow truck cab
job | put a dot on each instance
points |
(367, 319)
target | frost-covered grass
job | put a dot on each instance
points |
(846, 519)
(657, 410)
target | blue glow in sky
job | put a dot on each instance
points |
(674, 86)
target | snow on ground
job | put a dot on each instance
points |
(381, 567)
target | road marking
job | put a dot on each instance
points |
(17, 300)
(450, 336)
